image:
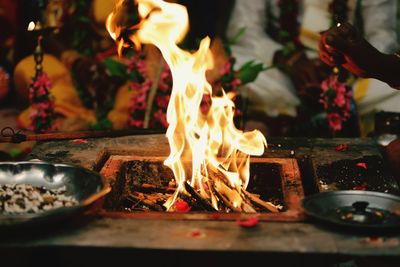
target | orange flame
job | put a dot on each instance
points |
(198, 142)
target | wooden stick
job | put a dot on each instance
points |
(19, 137)
(145, 201)
(227, 202)
(152, 93)
(149, 188)
(204, 203)
(267, 205)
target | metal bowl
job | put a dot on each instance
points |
(357, 209)
(84, 185)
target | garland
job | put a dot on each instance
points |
(336, 96)
(286, 28)
(42, 114)
(336, 99)
(134, 68)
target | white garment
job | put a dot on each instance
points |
(273, 93)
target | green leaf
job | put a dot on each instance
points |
(15, 152)
(250, 70)
(331, 93)
(237, 36)
(115, 68)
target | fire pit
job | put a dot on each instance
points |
(141, 185)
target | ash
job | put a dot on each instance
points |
(24, 198)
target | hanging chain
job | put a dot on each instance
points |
(38, 56)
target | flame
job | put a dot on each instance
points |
(31, 26)
(200, 144)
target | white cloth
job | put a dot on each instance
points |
(273, 93)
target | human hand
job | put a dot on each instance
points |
(344, 46)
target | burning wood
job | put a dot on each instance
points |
(147, 189)
(209, 156)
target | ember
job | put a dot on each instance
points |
(23, 198)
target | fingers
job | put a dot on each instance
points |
(325, 55)
(340, 38)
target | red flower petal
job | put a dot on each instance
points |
(342, 147)
(196, 233)
(249, 222)
(362, 165)
(79, 141)
(182, 206)
(362, 188)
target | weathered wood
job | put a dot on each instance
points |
(148, 188)
(204, 203)
(135, 199)
(267, 205)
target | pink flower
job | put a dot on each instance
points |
(335, 121)
(165, 83)
(135, 123)
(226, 68)
(161, 117)
(336, 102)
(162, 101)
(42, 80)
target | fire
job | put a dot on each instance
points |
(207, 151)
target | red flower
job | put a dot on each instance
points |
(249, 222)
(196, 233)
(360, 187)
(336, 102)
(182, 206)
(342, 147)
(362, 165)
(161, 117)
(226, 68)
(162, 101)
(79, 141)
(135, 123)
(335, 121)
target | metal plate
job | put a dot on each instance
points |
(84, 185)
(356, 209)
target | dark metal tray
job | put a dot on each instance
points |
(357, 209)
(84, 185)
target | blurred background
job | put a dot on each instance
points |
(75, 81)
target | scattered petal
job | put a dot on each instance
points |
(79, 141)
(362, 165)
(196, 233)
(182, 206)
(360, 187)
(342, 147)
(249, 222)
